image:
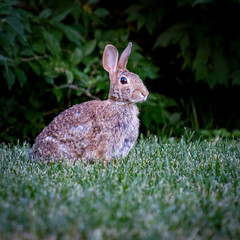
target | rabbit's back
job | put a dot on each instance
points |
(90, 130)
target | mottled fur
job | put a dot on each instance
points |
(97, 129)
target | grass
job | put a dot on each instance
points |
(164, 189)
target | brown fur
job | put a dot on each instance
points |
(97, 129)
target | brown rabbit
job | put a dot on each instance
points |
(98, 129)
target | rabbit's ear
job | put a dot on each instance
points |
(110, 58)
(124, 57)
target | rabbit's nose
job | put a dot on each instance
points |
(145, 93)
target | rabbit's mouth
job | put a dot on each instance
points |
(139, 97)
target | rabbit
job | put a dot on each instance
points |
(97, 130)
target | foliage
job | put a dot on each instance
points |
(164, 189)
(50, 59)
(196, 40)
(203, 45)
(62, 49)
(158, 111)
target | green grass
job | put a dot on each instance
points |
(163, 190)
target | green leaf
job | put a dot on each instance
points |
(171, 36)
(46, 13)
(149, 71)
(76, 12)
(146, 119)
(9, 77)
(69, 76)
(81, 76)
(136, 17)
(17, 26)
(194, 3)
(35, 67)
(4, 59)
(101, 12)
(93, 1)
(164, 39)
(26, 52)
(32, 115)
(235, 77)
(7, 42)
(89, 47)
(184, 43)
(39, 46)
(61, 15)
(150, 23)
(49, 79)
(135, 8)
(182, 3)
(200, 63)
(43, 63)
(22, 78)
(58, 34)
(76, 56)
(219, 75)
(58, 93)
(174, 118)
(86, 20)
(71, 33)
(52, 44)
(140, 23)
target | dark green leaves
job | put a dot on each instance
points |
(89, 47)
(60, 16)
(101, 12)
(53, 50)
(145, 16)
(204, 55)
(69, 76)
(4, 60)
(72, 34)
(195, 2)
(210, 65)
(219, 74)
(76, 56)
(38, 46)
(46, 13)
(16, 25)
(172, 35)
(21, 76)
(200, 64)
(52, 43)
(236, 77)
(157, 112)
(9, 76)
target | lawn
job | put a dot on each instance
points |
(164, 189)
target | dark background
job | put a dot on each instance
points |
(186, 52)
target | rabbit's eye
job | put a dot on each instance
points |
(123, 80)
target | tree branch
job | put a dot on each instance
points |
(33, 58)
(76, 88)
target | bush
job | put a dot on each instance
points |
(50, 59)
